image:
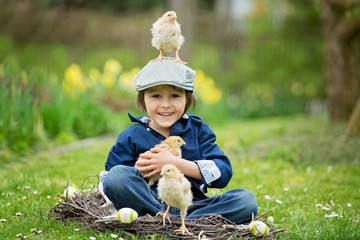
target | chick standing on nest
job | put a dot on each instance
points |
(167, 36)
(175, 190)
(173, 145)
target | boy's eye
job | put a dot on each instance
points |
(175, 95)
(155, 96)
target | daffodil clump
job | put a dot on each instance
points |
(127, 79)
(75, 82)
(112, 69)
(206, 88)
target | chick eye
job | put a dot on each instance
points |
(169, 15)
(178, 140)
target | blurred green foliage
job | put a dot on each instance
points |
(273, 68)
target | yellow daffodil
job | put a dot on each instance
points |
(73, 76)
(108, 80)
(206, 88)
(127, 79)
(94, 76)
(73, 83)
(112, 67)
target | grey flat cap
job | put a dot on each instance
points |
(166, 71)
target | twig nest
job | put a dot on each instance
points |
(127, 215)
(258, 228)
(71, 192)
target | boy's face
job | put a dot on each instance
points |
(165, 104)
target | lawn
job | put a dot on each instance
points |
(303, 167)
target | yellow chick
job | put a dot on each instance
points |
(167, 36)
(173, 145)
(175, 190)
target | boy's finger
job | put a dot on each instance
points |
(142, 162)
(146, 155)
(156, 149)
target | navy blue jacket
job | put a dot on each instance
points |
(200, 147)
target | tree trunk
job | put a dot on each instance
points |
(341, 58)
(353, 127)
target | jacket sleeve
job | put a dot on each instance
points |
(215, 167)
(121, 153)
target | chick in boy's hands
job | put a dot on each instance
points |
(151, 161)
(155, 158)
(173, 145)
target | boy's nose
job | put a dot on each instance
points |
(165, 103)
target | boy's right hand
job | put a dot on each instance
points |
(151, 162)
(140, 164)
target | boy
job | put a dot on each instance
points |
(165, 94)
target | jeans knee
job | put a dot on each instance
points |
(116, 179)
(249, 203)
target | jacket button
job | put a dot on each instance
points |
(148, 129)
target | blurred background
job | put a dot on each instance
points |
(67, 66)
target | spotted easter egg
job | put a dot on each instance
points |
(258, 228)
(127, 215)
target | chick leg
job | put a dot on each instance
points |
(150, 183)
(160, 57)
(177, 58)
(165, 215)
(183, 228)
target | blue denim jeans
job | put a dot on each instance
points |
(126, 187)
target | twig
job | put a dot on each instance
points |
(79, 208)
(259, 216)
(279, 230)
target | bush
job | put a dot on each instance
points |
(91, 118)
(20, 122)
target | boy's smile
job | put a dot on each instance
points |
(165, 105)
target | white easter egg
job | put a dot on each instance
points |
(258, 228)
(70, 192)
(127, 215)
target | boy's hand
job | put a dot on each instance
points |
(141, 163)
(151, 162)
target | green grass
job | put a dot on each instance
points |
(301, 160)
